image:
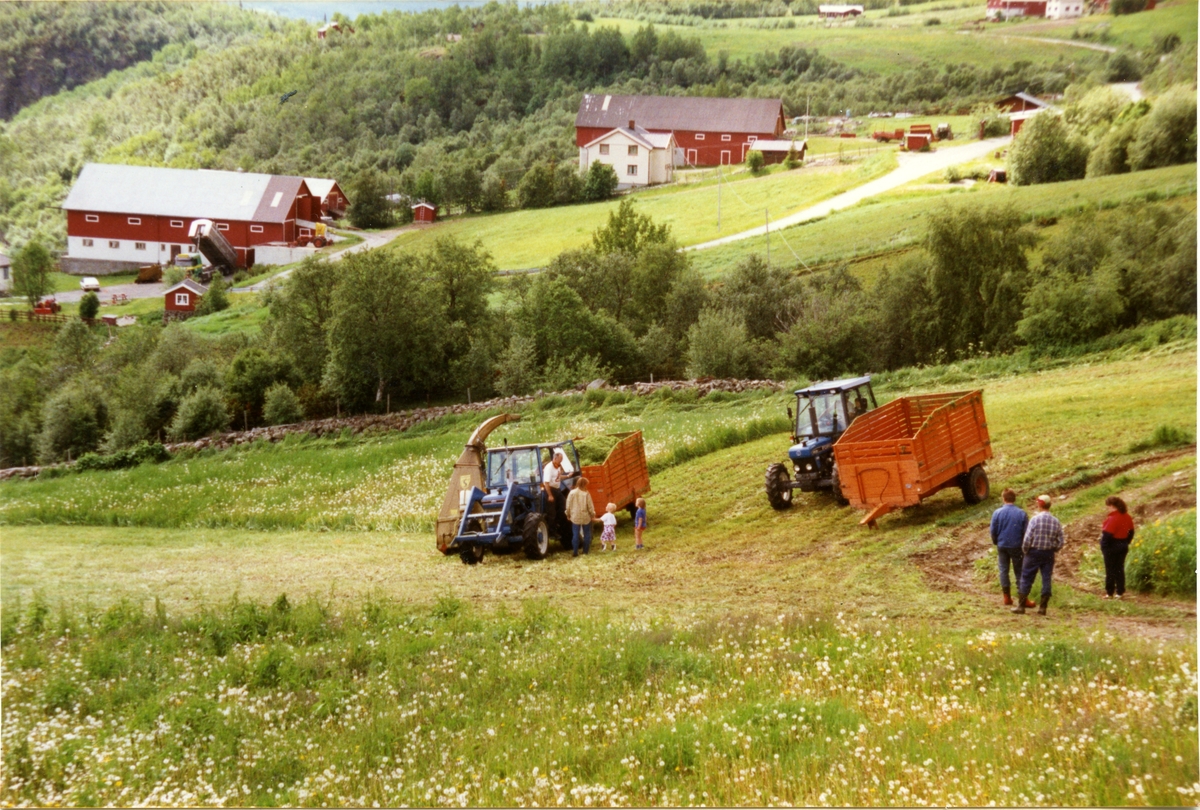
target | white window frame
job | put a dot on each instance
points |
(222, 226)
(256, 229)
(88, 243)
(177, 223)
(139, 245)
(752, 139)
(632, 152)
(91, 217)
(631, 170)
(114, 243)
(182, 300)
(134, 220)
(604, 149)
(726, 138)
(699, 136)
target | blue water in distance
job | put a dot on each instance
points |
(320, 11)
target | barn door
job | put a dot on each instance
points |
(724, 157)
(691, 157)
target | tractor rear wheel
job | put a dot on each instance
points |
(778, 486)
(536, 536)
(841, 499)
(471, 555)
(975, 487)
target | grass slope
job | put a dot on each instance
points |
(1133, 30)
(531, 238)
(897, 219)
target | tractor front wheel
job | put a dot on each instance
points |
(975, 487)
(778, 486)
(471, 555)
(536, 536)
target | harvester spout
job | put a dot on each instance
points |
(468, 473)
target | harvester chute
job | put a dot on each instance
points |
(468, 473)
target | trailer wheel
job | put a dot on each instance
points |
(975, 487)
(778, 486)
(841, 499)
(471, 555)
(536, 536)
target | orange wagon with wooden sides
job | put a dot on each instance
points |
(903, 452)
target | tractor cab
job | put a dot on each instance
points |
(823, 412)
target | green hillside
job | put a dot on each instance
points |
(745, 654)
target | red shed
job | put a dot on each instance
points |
(181, 300)
(424, 213)
(708, 131)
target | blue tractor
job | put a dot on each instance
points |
(823, 412)
(515, 509)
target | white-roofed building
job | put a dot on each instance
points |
(122, 217)
(639, 157)
(333, 199)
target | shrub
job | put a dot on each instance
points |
(89, 306)
(368, 201)
(1162, 557)
(1127, 6)
(1046, 152)
(933, 21)
(200, 414)
(73, 422)
(1111, 155)
(536, 189)
(755, 161)
(792, 159)
(281, 406)
(494, 195)
(1164, 436)
(1167, 136)
(240, 276)
(953, 175)
(1122, 67)
(568, 184)
(215, 299)
(138, 454)
(718, 345)
(601, 182)
(173, 275)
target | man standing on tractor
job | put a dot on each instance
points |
(555, 470)
(1008, 532)
(1043, 539)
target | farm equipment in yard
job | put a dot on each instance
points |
(912, 447)
(823, 412)
(496, 499)
(215, 247)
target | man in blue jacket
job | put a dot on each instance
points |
(1008, 531)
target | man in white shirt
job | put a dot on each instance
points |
(555, 470)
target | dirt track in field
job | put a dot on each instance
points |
(951, 567)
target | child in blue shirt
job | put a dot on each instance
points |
(639, 521)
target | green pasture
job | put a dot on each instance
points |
(889, 46)
(531, 238)
(160, 647)
(897, 219)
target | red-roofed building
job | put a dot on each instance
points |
(1010, 9)
(707, 131)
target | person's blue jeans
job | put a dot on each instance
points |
(1037, 560)
(1009, 556)
(586, 532)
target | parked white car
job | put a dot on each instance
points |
(89, 283)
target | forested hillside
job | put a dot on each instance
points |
(397, 96)
(48, 47)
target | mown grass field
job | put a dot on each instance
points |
(746, 657)
(889, 46)
(530, 238)
(898, 218)
(1133, 30)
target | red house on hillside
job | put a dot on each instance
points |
(180, 300)
(122, 217)
(708, 131)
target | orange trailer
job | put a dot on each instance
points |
(623, 476)
(899, 454)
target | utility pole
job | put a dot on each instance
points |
(767, 217)
(718, 198)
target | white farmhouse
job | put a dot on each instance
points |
(639, 157)
(1063, 9)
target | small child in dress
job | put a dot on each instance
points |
(639, 521)
(609, 535)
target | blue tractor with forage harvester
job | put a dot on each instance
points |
(823, 412)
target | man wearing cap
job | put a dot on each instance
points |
(1043, 539)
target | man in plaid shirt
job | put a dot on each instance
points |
(1043, 539)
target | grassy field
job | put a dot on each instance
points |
(746, 657)
(898, 218)
(530, 238)
(891, 45)
(1133, 30)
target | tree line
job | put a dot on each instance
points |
(384, 328)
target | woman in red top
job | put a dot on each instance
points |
(1115, 537)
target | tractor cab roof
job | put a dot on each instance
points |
(833, 386)
(504, 448)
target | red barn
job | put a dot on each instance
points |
(123, 217)
(708, 131)
(333, 199)
(424, 213)
(1009, 9)
(180, 301)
